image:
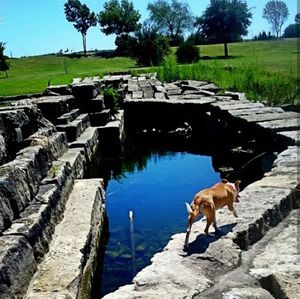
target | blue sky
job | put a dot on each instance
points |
(33, 27)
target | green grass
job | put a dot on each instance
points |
(264, 70)
(31, 74)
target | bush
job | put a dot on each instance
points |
(149, 47)
(292, 30)
(112, 99)
(187, 53)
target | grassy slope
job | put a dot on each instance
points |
(264, 70)
(29, 75)
(274, 55)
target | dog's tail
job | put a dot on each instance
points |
(188, 208)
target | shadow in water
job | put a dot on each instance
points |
(203, 241)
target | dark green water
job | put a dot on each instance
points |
(155, 187)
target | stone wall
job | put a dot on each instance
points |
(46, 145)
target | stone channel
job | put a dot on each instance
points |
(51, 218)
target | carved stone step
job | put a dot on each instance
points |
(71, 260)
(68, 117)
(75, 128)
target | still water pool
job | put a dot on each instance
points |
(155, 191)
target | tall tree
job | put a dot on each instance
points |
(80, 15)
(4, 66)
(119, 18)
(171, 18)
(276, 13)
(225, 21)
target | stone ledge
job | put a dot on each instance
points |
(69, 265)
(17, 265)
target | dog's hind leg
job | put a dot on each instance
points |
(232, 209)
(210, 218)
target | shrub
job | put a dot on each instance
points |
(112, 99)
(149, 47)
(187, 53)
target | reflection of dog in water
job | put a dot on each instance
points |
(207, 201)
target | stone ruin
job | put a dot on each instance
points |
(51, 218)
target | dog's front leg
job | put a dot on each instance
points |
(188, 232)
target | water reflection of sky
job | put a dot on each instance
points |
(156, 195)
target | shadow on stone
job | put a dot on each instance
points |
(203, 241)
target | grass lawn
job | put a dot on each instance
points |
(265, 70)
(31, 74)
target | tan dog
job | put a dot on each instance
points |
(207, 201)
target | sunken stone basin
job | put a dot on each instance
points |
(51, 226)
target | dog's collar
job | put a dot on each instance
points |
(232, 186)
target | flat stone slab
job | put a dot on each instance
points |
(290, 124)
(270, 116)
(76, 160)
(68, 117)
(293, 136)
(88, 141)
(254, 111)
(73, 248)
(278, 265)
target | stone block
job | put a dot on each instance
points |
(59, 89)
(88, 141)
(53, 107)
(100, 118)
(76, 160)
(75, 128)
(17, 265)
(14, 186)
(68, 117)
(72, 258)
(85, 91)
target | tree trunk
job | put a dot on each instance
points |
(6, 74)
(84, 42)
(225, 50)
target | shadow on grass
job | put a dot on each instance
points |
(220, 57)
(203, 241)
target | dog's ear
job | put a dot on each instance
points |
(224, 181)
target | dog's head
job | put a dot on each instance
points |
(235, 187)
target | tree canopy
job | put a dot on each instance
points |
(297, 18)
(276, 13)
(225, 21)
(80, 15)
(4, 66)
(119, 18)
(171, 18)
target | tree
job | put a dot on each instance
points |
(225, 21)
(149, 47)
(120, 19)
(80, 15)
(293, 30)
(297, 18)
(276, 13)
(171, 18)
(4, 65)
